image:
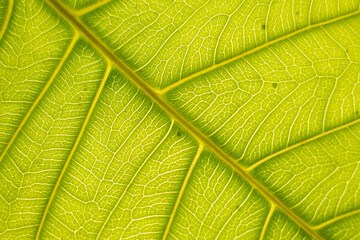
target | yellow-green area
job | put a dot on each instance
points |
(235, 119)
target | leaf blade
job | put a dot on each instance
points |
(147, 199)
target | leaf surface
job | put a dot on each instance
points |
(179, 120)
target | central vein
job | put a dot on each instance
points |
(195, 132)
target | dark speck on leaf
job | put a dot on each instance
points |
(357, 113)
(297, 12)
(178, 133)
(263, 26)
(274, 85)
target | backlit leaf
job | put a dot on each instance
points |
(235, 119)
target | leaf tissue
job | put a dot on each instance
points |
(178, 119)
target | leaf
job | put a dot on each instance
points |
(179, 120)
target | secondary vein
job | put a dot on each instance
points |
(41, 94)
(182, 121)
(66, 164)
(338, 218)
(299, 144)
(91, 7)
(132, 181)
(7, 18)
(182, 190)
(267, 221)
(256, 49)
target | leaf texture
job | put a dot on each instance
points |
(234, 119)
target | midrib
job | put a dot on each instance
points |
(195, 132)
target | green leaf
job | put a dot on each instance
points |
(179, 119)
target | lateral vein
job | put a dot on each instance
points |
(338, 218)
(253, 50)
(41, 94)
(175, 115)
(91, 7)
(299, 144)
(182, 190)
(133, 178)
(267, 221)
(77, 141)
(7, 18)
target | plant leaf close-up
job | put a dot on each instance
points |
(180, 119)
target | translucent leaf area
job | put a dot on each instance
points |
(164, 119)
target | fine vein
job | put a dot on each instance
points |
(91, 7)
(266, 224)
(338, 218)
(66, 164)
(7, 18)
(182, 190)
(39, 97)
(196, 133)
(299, 144)
(253, 50)
(132, 180)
